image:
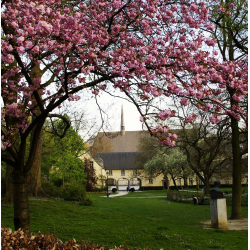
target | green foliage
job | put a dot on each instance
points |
(114, 190)
(88, 201)
(48, 187)
(171, 163)
(73, 192)
(60, 156)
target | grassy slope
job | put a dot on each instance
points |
(145, 223)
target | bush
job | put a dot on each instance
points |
(73, 192)
(114, 190)
(48, 187)
(132, 190)
(88, 202)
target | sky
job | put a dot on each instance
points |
(111, 114)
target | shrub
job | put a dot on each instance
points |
(88, 202)
(114, 190)
(132, 190)
(48, 187)
(73, 192)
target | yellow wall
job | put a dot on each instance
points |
(99, 170)
(129, 174)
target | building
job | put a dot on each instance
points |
(117, 151)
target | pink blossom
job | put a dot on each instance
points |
(21, 50)
(9, 58)
(184, 102)
(43, 28)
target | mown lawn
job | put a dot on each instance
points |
(136, 222)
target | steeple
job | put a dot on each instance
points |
(122, 123)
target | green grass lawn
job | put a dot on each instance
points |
(145, 223)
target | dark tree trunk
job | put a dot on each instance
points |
(206, 186)
(9, 186)
(185, 182)
(34, 176)
(21, 203)
(236, 190)
(174, 183)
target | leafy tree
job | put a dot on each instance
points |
(171, 164)
(146, 49)
(65, 155)
(231, 32)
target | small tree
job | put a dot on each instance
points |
(167, 164)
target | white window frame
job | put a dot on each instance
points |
(122, 172)
(110, 172)
(150, 181)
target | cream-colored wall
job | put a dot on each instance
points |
(157, 182)
(99, 170)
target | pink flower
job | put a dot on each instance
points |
(184, 102)
(21, 50)
(9, 58)
(43, 28)
(232, 5)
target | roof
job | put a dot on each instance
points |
(118, 160)
(128, 142)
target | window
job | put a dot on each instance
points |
(191, 181)
(122, 172)
(134, 172)
(150, 181)
(111, 182)
(91, 164)
(110, 172)
(179, 182)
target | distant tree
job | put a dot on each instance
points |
(206, 145)
(67, 164)
(167, 164)
(148, 147)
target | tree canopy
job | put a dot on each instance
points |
(53, 51)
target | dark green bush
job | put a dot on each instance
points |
(114, 190)
(88, 202)
(131, 189)
(73, 192)
(48, 187)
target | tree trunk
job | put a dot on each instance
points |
(236, 190)
(185, 182)
(21, 203)
(34, 176)
(174, 183)
(206, 186)
(9, 186)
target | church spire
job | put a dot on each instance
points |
(122, 123)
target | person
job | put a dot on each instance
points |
(195, 200)
(127, 189)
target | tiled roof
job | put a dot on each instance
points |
(118, 160)
(129, 142)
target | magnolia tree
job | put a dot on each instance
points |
(147, 49)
